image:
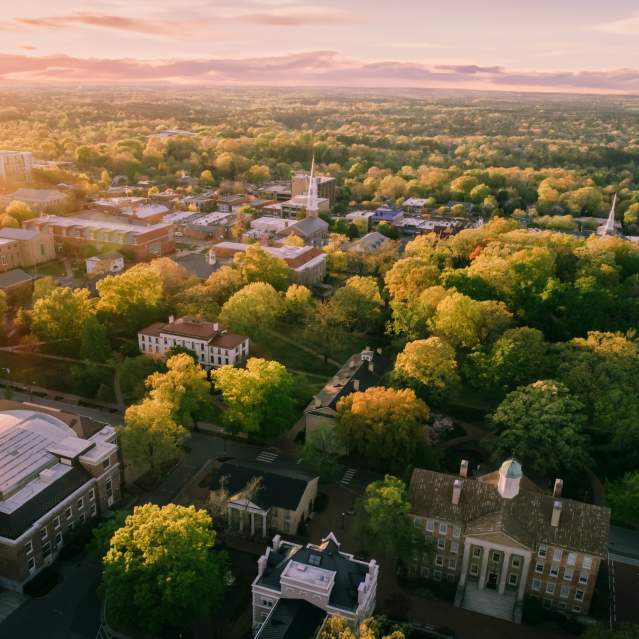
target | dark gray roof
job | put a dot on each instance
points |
(281, 487)
(14, 278)
(292, 619)
(197, 264)
(348, 573)
(525, 518)
(342, 383)
(310, 225)
(14, 524)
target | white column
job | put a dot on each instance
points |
(484, 567)
(264, 525)
(524, 578)
(252, 516)
(464, 566)
(505, 564)
(241, 520)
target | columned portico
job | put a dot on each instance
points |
(251, 518)
(505, 564)
(484, 567)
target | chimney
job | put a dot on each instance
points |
(277, 540)
(559, 486)
(356, 384)
(463, 468)
(261, 565)
(556, 513)
(171, 319)
(457, 488)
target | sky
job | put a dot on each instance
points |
(584, 46)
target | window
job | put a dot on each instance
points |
(536, 584)
(425, 573)
(267, 602)
(28, 547)
(31, 564)
(557, 554)
(92, 494)
(441, 543)
(568, 573)
(476, 551)
(564, 592)
(579, 595)
(439, 560)
(67, 513)
(58, 539)
(572, 559)
(496, 555)
(547, 604)
(583, 578)
(56, 522)
(542, 550)
(43, 533)
(539, 568)
(513, 578)
(550, 587)
(452, 563)
(454, 547)
(437, 575)
(576, 608)
(94, 510)
(474, 569)
(586, 563)
(554, 570)
(82, 518)
(109, 488)
(443, 528)
(80, 503)
(562, 605)
(516, 562)
(46, 548)
(456, 532)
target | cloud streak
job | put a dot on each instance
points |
(316, 68)
(624, 26)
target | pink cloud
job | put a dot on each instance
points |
(298, 18)
(321, 68)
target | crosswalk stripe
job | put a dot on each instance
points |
(348, 476)
(267, 456)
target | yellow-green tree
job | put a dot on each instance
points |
(62, 314)
(257, 265)
(252, 310)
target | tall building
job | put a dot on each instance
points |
(501, 538)
(15, 167)
(313, 581)
(325, 185)
(57, 472)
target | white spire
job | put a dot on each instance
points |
(610, 224)
(311, 195)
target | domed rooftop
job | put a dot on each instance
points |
(511, 469)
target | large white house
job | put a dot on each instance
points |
(331, 581)
(213, 345)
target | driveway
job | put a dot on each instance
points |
(70, 611)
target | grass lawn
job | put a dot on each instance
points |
(55, 268)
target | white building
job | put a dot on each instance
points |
(15, 166)
(329, 579)
(108, 263)
(213, 345)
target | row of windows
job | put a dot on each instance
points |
(442, 528)
(551, 587)
(571, 559)
(562, 605)
(568, 573)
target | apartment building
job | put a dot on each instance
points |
(313, 581)
(57, 472)
(501, 538)
(39, 200)
(33, 247)
(144, 242)
(9, 255)
(15, 167)
(282, 501)
(326, 186)
(307, 264)
(213, 345)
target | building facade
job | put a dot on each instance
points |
(15, 167)
(326, 186)
(40, 200)
(212, 344)
(58, 472)
(501, 539)
(322, 575)
(34, 247)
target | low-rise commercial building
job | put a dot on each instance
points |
(414, 205)
(57, 472)
(260, 498)
(330, 580)
(501, 538)
(143, 241)
(213, 345)
(33, 247)
(39, 200)
(307, 264)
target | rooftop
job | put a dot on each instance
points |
(37, 195)
(310, 225)
(292, 619)
(192, 328)
(17, 234)
(15, 277)
(124, 227)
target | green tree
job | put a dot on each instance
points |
(150, 437)
(431, 366)
(359, 303)
(160, 570)
(623, 498)
(257, 265)
(19, 211)
(184, 388)
(383, 426)
(133, 373)
(6, 221)
(94, 341)
(223, 283)
(321, 452)
(298, 303)
(42, 287)
(258, 397)
(101, 535)
(542, 425)
(253, 310)
(624, 631)
(62, 314)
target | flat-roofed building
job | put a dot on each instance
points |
(39, 200)
(414, 205)
(307, 264)
(332, 581)
(9, 254)
(299, 204)
(34, 247)
(209, 226)
(280, 191)
(57, 471)
(363, 220)
(15, 167)
(326, 186)
(213, 345)
(105, 263)
(143, 241)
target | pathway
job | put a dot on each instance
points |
(20, 350)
